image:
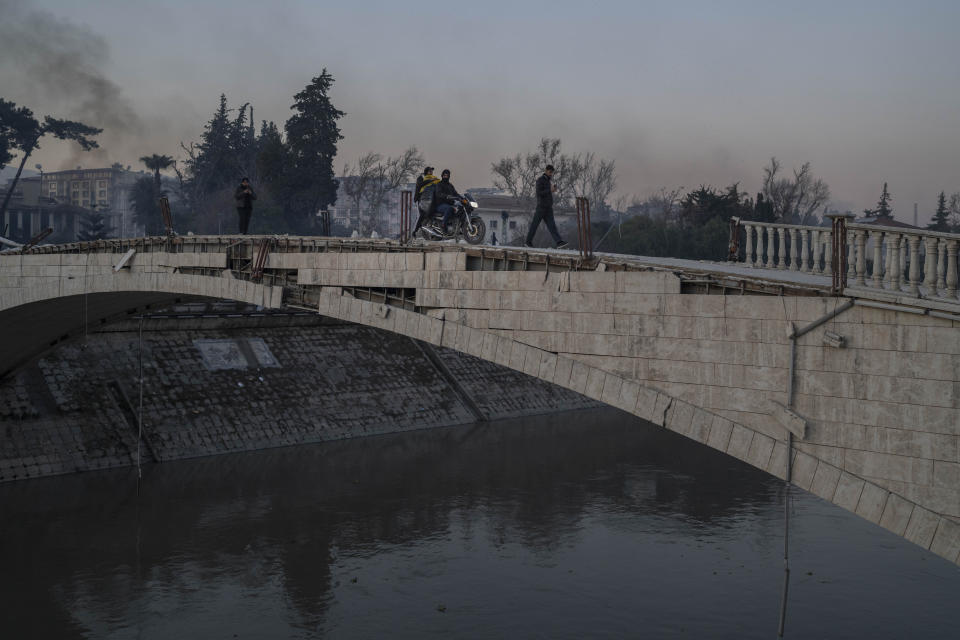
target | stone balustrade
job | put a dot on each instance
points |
(900, 261)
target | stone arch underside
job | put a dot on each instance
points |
(36, 318)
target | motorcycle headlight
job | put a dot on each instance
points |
(474, 205)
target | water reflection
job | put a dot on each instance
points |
(589, 523)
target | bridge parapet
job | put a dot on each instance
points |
(894, 263)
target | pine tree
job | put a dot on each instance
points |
(93, 226)
(941, 219)
(213, 164)
(312, 136)
(883, 209)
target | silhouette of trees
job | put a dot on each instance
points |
(580, 174)
(312, 137)
(371, 179)
(795, 199)
(21, 132)
(941, 218)
(292, 171)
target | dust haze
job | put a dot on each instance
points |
(676, 95)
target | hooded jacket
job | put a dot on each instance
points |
(424, 181)
(544, 194)
(445, 192)
(244, 200)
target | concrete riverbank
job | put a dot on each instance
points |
(226, 382)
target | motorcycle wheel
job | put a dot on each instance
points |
(475, 231)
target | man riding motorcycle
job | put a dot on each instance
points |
(445, 193)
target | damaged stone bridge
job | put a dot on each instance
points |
(862, 395)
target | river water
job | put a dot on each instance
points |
(584, 524)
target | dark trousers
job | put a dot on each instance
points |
(243, 216)
(447, 210)
(420, 220)
(546, 215)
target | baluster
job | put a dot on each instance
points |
(893, 262)
(817, 241)
(860, 239)
(877, 237)
(930, 265)
(782, 246)
(888, 267)
(804, 250)
(896, 264)
(761, 246)
(851, 256)
(951, 268)
(748, 248)
(941, 266)
(828, 252)
(794, 250)
(769, 263)
(914, 287)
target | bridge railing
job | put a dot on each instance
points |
(899, 261)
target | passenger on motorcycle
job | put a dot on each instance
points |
(445, 194)
(425, 180)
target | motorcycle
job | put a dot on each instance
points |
(461, 224)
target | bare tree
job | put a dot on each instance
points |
(356, 181)
(518, 177)
(794, 200)
(574, 175)
(389, 175)
(662, 205)
(368, 182)
(601, 181)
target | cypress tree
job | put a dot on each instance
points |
(941, 219)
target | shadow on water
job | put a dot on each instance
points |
(264, 544)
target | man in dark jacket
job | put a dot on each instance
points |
(544, 212)
(244, 196)
(446, 193)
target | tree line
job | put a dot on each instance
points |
(292, 167)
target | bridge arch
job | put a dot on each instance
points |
(51, 294)
(40, 315)
(857, 495)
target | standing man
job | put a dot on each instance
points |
(426, 178)
(545, 189)
(244, 196)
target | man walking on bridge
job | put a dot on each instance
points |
(545, 189)
(244, 196)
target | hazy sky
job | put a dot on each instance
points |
(678, 93)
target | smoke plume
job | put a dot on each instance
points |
(55, 67)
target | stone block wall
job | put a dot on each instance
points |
(219, 386)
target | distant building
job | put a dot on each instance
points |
(57, 200)
(106, 190)
(27, 212)
(884, 221)
(346, 214)
(511, 229)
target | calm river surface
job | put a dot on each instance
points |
(585, 524)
